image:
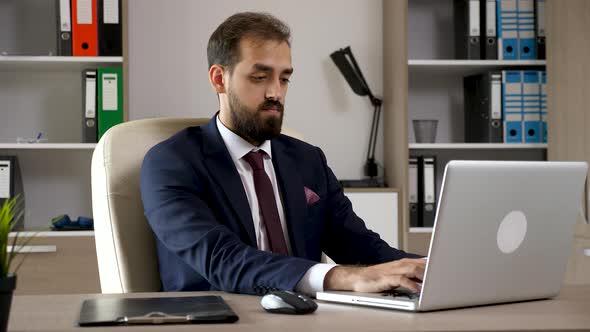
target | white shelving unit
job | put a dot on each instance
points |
(421, 229)
(467, 67)
(461, 63)
(435, 91)
(42, 93)
(47, 146)
(26, 235)
(475, 146)
(54, 63)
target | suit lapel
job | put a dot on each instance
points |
(291, 186)
(224, 172)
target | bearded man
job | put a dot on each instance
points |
(237, 206)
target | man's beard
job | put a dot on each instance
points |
(250, 124)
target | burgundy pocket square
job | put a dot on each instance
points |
(310, 196)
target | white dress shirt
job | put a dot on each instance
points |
(313, 280)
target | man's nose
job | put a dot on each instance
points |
(274, 91)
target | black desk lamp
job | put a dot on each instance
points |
(345, 61)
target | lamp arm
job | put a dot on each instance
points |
(371, 166)
(376, 116)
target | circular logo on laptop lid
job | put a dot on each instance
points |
(511, 232)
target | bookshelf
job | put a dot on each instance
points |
(42, 93)
(568, 89)
(422, 80)
(435, 91)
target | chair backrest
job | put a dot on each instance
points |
(125, 245)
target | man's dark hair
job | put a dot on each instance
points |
(224, 44)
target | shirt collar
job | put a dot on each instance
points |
(237, 146)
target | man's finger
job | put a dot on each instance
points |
(408, 270)
(409, 284)
(417, 273)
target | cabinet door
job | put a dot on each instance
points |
(378, 209)
(58, 265)
(379, 212)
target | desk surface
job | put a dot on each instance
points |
(568, 311)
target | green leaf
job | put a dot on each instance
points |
(11, 212)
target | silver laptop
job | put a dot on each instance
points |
(502, 233)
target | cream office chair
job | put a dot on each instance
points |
(125, 245)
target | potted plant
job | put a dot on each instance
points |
(10, 212)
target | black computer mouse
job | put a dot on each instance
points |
(287, 302)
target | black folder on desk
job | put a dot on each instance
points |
(155, 310)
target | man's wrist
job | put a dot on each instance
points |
(341, 278)
(313, 280)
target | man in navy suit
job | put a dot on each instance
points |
(236, 206)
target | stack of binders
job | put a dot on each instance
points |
(422, 190)
(102, 102)
(499, 29)
(506, 106)
(89, 28)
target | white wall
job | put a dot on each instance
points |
(168, 67)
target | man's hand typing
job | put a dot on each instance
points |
(377, 278)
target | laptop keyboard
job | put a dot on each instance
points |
(402, 294)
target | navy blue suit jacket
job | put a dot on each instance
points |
(196, 205)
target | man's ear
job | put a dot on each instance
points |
(216, 78)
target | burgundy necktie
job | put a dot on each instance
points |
(267, 203)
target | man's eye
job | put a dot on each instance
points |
(285, 80)
(258, 78)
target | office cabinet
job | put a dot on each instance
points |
(57, 263)
(378, 208)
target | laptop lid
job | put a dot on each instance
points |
(502, 233)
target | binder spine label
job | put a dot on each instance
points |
(491, 18)
(474, 27)
(414, 192)
(5, 178)
(90, 96)
(111, 11)
(429, 194)
(84, 12)
(496, 97)
(540, 18)
(64, 15)
(413, 181)
(109, 92)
